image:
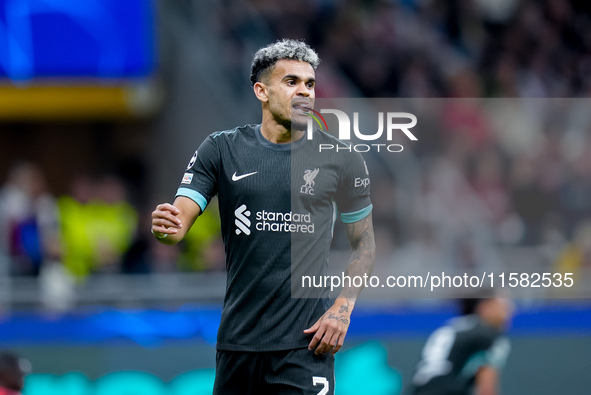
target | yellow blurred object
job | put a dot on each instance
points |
(95, 235)
(73, 102)
(570, 259)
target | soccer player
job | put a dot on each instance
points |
(465, 356)
(278, 199)
(12, 373)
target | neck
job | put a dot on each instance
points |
(279, 134)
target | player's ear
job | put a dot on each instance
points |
(261, 91)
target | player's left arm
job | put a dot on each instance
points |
(331, 328)
(487, 377)
(487, 380)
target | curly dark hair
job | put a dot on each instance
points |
(265, 58)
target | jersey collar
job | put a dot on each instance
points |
(277, 147)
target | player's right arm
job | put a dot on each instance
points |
(171, 222)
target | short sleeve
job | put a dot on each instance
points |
(498, 352)
(352, 197)
(199, 183)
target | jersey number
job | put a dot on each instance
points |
(321, 380)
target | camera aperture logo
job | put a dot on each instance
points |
(391, 119)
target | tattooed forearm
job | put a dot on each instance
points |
(345, 306)
(339, 318)
(361, 238)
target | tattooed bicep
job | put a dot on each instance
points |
(359, 230)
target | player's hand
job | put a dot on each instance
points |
(165, 220)
(331, 328)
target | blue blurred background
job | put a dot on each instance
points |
(102, 104)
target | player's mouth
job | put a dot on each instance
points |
(304, 107)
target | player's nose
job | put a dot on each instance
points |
(303, 90)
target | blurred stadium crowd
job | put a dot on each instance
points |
(486, 181)
(94, 229)
(426, 48)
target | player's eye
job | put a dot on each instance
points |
(310, 85)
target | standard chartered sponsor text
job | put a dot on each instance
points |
(284, 222)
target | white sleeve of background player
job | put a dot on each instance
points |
(352, 196)
(199, 183)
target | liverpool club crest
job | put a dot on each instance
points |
(309, 176)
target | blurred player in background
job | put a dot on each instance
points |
(13, 370)
(278, 199)
(465, 356)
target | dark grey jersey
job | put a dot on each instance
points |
(454, 353)
(278, 204)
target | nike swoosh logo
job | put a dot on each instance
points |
(236, 178)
